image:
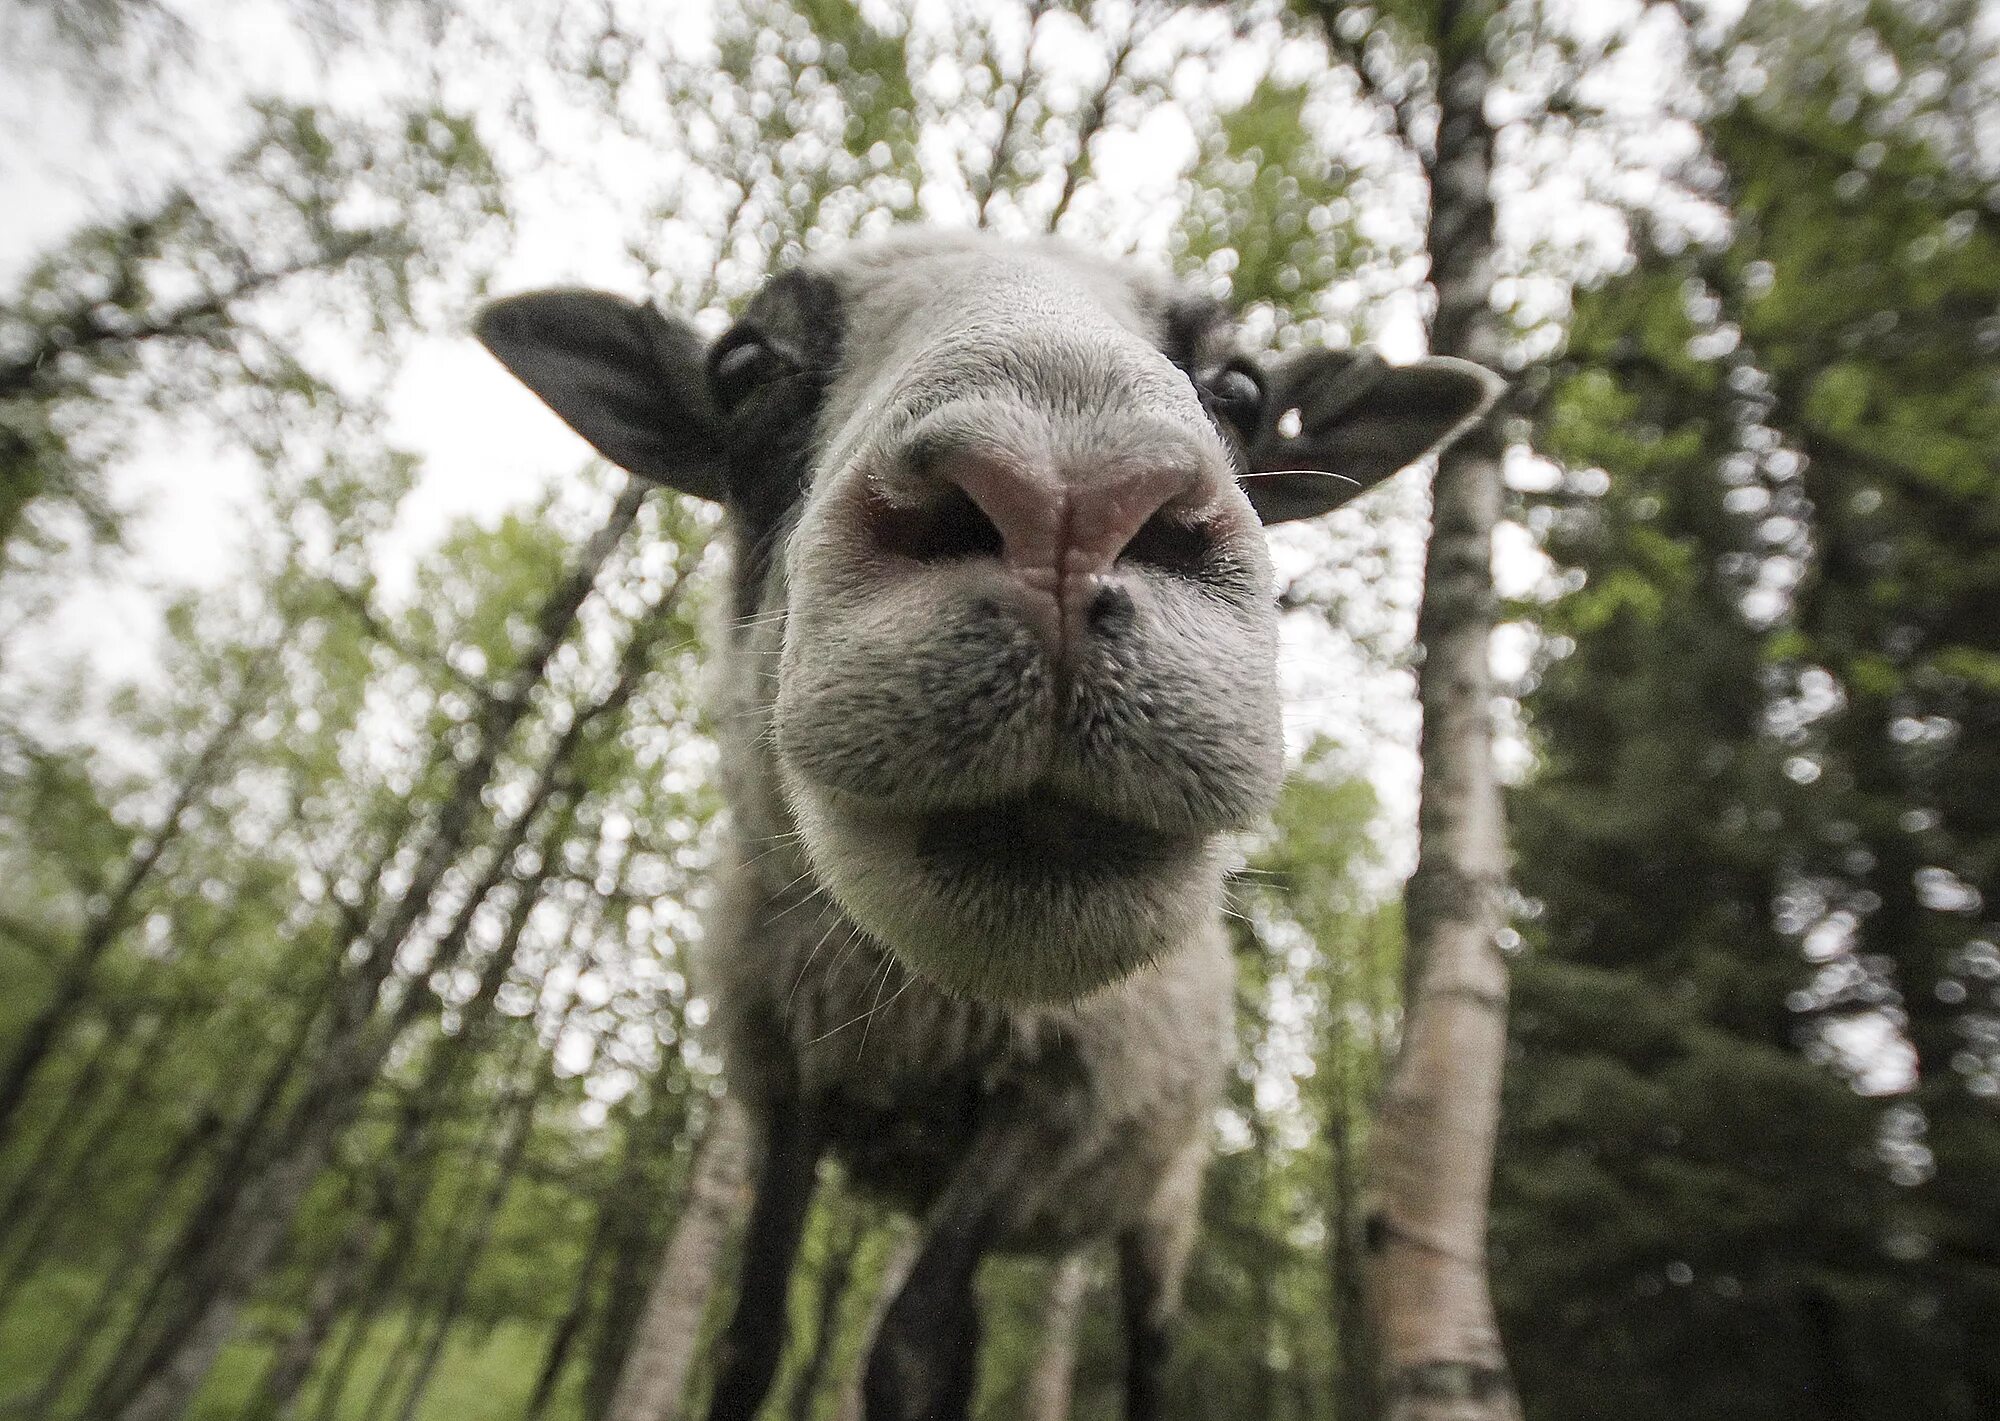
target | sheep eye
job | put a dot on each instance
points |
(1235, 394)
(742, 366)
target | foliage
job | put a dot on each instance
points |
(1751, 1011)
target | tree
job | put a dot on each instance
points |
(1432, 1148)
(1676, 1177)
(1724, 813)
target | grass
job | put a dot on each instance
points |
(485, 1373)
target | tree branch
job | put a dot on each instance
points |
(988, 182)
(1095, 113)
(1353, 56)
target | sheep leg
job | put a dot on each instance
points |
(924, 1363)
(751, 1345)
(1146, 1272)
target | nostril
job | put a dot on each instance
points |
(1171, 543)
(1110, 610)
(949, 527)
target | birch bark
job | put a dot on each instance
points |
(1053, 1379)
(656, 1369)
(1432, 1152)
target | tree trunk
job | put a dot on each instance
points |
(835, 1272)
(656, 1369)
(108, 919)
(1353, 1359)
(138, 1254)
(625, 1237)
(412, 1150)
(467, 1252)
(319, 963)
(359, 1042)
(461, 1221)
(572, 1323)
(33, 1176)
(1054, 1374)
(245, 1244)
(335, 1286)
(67, 1184)
(385, 1240)
(196, 1232)
(895, 1268)
(338, 1372)
(1432, 1152)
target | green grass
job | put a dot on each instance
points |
(485, 1374)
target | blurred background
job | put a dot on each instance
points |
(355, 793)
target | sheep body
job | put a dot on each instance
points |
(1120, 1085)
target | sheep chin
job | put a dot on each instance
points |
(1020, 904)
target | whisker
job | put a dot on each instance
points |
(779, 837)
(1288, 473)
(786, 912)
(840, 959)
(886, 964)
(759, 858)
(806, 966)
(881, 1006)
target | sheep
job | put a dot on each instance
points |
(997, 690)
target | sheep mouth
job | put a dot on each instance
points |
(1027, 898)
(1046, 832)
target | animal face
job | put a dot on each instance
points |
(997, 510)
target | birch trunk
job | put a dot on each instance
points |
(655, 1374)
(1432, 1155)
(895, 1269)
(1053, 1379)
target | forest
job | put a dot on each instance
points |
(359, 791)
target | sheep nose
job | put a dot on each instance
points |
(1060, 541)
(1053, 532)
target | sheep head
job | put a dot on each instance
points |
(997, 510)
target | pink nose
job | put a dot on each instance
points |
(1060, 540)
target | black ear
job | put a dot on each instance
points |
(1334, 423)
(630, 380)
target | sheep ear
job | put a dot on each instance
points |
(630, 380)
(1335, 423)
